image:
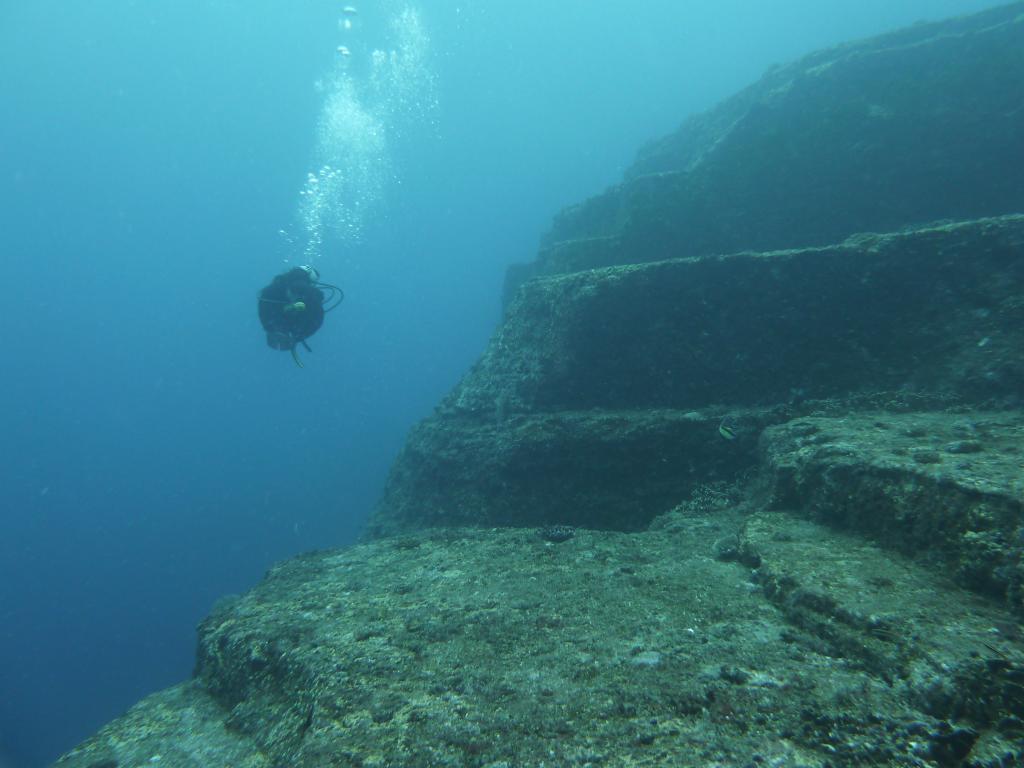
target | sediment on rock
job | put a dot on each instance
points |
(945, 487)
(490, 647)
(902, 129)
(603, 393)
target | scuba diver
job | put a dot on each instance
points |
(292, 308)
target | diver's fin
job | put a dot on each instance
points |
(295, 357)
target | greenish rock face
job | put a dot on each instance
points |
(792, 645)
(725, 278)
(945, 488)
(600, 399)
(905, 129)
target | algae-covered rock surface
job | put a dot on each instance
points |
(721, 636)
(931, 308)
(598, 469)
(948, 487)
(181, 727)
(602, 394)
(902, 129)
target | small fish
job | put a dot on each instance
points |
(726, 430)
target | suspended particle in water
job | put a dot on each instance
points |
(344, 51)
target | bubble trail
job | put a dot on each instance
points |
(371, 100)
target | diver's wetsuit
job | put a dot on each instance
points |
(291, 309)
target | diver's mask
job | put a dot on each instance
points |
(314, 276)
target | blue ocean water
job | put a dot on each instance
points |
(159, 163)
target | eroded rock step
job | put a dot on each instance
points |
(598, 382)
(945, 652)
(614, 470)
(919, 125)
(180, 727)
(501, 648)
(945, 487)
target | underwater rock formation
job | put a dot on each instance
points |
(599, 400)
(904, 129)
(497, 648)
(947, 488)
(693, 508)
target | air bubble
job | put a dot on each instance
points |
(361, 116)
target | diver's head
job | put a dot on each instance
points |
(314, 276)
